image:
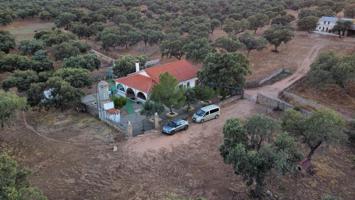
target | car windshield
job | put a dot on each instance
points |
(200, 113)
(172, 124)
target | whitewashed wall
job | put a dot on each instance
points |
(191, 83)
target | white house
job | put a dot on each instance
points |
(326, 24)
(138, 85)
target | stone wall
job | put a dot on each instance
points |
(274, 76)
(300, 101)
(273, 103)
(269, 78)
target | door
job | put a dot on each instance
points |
(179, 127)
(207, 116)
(214, 113)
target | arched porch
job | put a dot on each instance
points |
(130, 94)
(141, 96)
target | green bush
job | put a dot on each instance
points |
(204, 93)
(119, 102)
(151, 107)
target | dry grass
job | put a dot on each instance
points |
(25, 29)
(331, 96)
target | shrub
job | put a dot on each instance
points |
(204, 93)
(150, 108)
(119, 102)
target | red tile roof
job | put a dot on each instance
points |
(137, 81)
(113, 111)
(182, 70)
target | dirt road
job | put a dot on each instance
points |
(275, 89)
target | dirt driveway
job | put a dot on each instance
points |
(155, 141)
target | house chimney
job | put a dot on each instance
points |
(137, 67)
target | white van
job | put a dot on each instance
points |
(207, 113)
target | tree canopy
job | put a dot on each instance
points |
(151, 107)
(308, 23)
(65, 50)
(12, 62)
(230, 44)
(322, 126)
(225, 72)
(168, 92)
(172, 46)
(253, 151)
(252, 42)
(86, 61)
(14, 184)
(9, 104)
(330, 68)
(29, 47)
(77, 77)
(257, 21)
(197, 50)
(62, 94)
(7, 41)
(21, 79)
(277, 35)
(126, 65)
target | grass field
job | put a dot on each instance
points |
(25, 29)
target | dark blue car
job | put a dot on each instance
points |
(174, 126)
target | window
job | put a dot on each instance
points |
(200, 113)
(214, 110)
(188, 84)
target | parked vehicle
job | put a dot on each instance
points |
(174, 126)
(207, 113)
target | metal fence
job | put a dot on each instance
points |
(140, 123)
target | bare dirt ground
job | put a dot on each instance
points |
(71, 157)
(25, 29)
(331, 96)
